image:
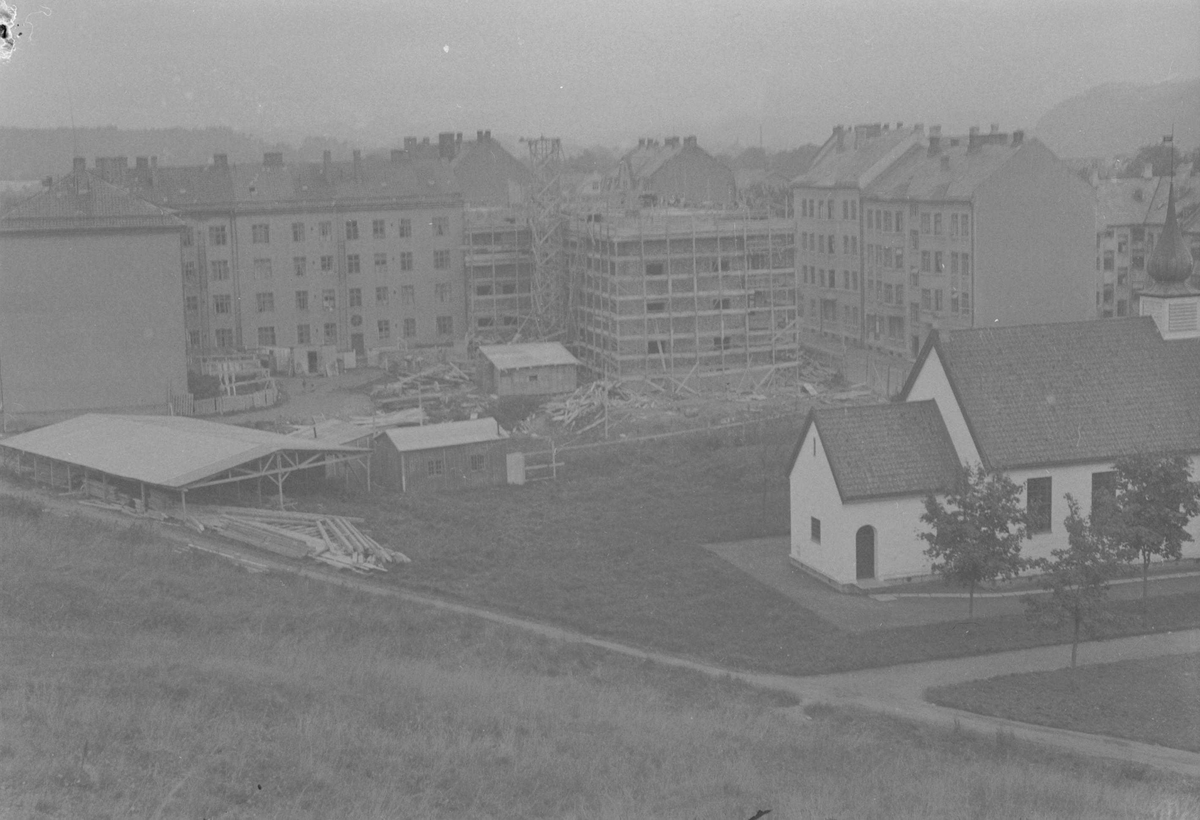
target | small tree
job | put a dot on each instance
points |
(1075, 578)
(976, 537)
(1154, 501)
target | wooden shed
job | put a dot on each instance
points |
(529, 369)
(442, 456)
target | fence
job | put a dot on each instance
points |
(189, 406)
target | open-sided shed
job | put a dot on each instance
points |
(453, 454)
(165, 456)
(527, 369)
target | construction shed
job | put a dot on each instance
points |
(442, 456)
(153, 462)
(528, 369)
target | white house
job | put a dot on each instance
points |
(1053, 406)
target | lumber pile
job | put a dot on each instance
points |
(331, 539)
(432, 379)
(586, 405)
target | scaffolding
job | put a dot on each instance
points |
(548, 318)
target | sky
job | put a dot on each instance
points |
(600, 72)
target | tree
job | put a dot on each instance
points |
(1154, 500)
(1075, 578)
(976, 537)
(1159, 156)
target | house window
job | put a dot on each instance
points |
(445, 325)
(442, 291)
(265, 302)
(926, 298)
(926, 264)
(222, 304)
(297, 231)
(937, 224)
(408, 295)
(303, 335)
(381, 296)
(410, 328)
(325, 229)
(937, 300)
(441, 226)
(1138, 262)
(405, 228)
(189, 271)
(194, 338)
(351, 229)
(721, 304)
(925, 223)
(260, 234)
(192, 303)
(224, 337)
(355, 297)
(406, 260)
(216, 235)
(1122, 307)
(262, 268)
(377, 229)
(965, 258)
(436, 466)
(380, 263)
(478, 461)
(355, 321)
(939, 262)
(186, 239)
(953, 226)
(964, 225)
(899, 221)
(441, 260)
(654, 269)
(326, 264)
(483, 290)
(1108, 260)
(815, 523)
(266, 337)
(385, 329)
(300, 265)
(656, 347)
(1037, 503)
(352, 263)
(329, 299)
(331, 333)
(219, 270)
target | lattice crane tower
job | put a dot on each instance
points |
(548, 319)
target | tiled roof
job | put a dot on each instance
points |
(1073, 392)
(82, 201)
(880, 450)
(856, 166)
(952, 173)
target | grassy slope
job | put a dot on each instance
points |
(1156, 700)
(612, 549)
(199, 690)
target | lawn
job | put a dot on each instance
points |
(1156, 700)
(141, 681)
(613, 549)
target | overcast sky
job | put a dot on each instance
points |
(595, 71)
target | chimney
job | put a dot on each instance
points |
(446, 145)
(945, 163)
(973, 130)
(839, 135)
(221, 160)
(641, 142)
(141, 163)
(47, 182)
(487, 135)
(899, 125)
(918, 128)
(689, 141)
(397, 155)
(410, 144)
(479, 135)
(458, 138)
(995, 128)
(672, 142)
(357, 164)
(326, 162)
(79, 164)
(886, 127)
(273, 158)
(935, 141)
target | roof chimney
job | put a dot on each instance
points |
(79, 164)
(458, 138)
(47, 182)
(410, 144)
(839, 136)
(995, 128)
(446, 145)
(1018, 137)
(479, 135)
(672, 142)
(641, 142)
(974, 129)
(899, 125)
(141, 162)
(689, 141)
(487, 135)
(220, 160)
(273, 158)
(935, 141)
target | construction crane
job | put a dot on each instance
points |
(548, 318)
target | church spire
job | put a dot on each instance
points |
(1171, 262)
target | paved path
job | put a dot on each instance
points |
(895, 691)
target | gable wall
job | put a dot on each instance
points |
(932, 383)
(814, 495)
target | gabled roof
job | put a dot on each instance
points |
(83, 201)
(489, 175)
(855, 167)
(881, 450)
(448, 434)
(528, 354)
(1074, 392)
(167, 451)
(954, 172)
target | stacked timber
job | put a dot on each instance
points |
(331, 539)
(586, 405)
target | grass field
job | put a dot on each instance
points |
(612, 549)
(142, 682)
(1156, 700)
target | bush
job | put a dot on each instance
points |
(15, 506)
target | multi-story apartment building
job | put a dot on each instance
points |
(663, 291)
(674, 173)
(346, 255)
(1131, 214)
(902, 233)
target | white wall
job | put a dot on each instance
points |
(814, 494)
(931, 383)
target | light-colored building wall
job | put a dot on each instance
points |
(931, 383)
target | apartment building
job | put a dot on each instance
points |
(673, 172)
(90, 303)
(901, 233)
(664, 291)
(308, 256)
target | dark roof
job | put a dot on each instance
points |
(1171, 261)
(856, 165)
(489, 175)
(1037, 395)
(880, 450)
(83, 201)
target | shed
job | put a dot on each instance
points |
(442, 456)
(528, 369)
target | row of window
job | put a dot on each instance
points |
(260, 233)
(267, 336)
(828, 279)
(265, 301)
(827, 243)
(219, 269)
(827, 209)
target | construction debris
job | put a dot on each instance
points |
(435, 378)
(589, 402)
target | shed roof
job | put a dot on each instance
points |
(880, 450)
(167, 451)
(528, 354)
(448, 434)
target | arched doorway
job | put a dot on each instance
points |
(864, 552)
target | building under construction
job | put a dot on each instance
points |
(669, 291)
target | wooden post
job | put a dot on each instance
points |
(143, 495)
(183, 501)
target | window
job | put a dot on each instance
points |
(845, 209)
(187, 239)
(870, 219)
(887, 294)
(914, 313)
(441, 226)
(297, 231)
(355, 297)
(1122, 276)
(954, 263)
(815, 523)
(939, 262)
(899, 221)
(408, 295)
(331, 333)
(377, 229)
(351, 229)
(303, 335)
(326, 264)
(329, 299)
(406, 260)
(887, 221)
(355, 321)
(445, 325)
(264, 302)
(260, 234)
(478, 461)
(721, 304)
(1138, 262)
(224, 337)
(1108, 294)
(927, 298)
(926, 264)
(1122, 307)
(219, 270)
(189, 271)
(216, 235)
(410, 328)
(654, 269)
(266, 337)
(193, 338)
(191, 303)
(385, 329)
(381, 296)
(326, 230)
(222, 304)
(405, 228)
(442, 291)
(1037, 504)
(964, 225)
(483, 290)
(300, 265)
(435, 466)
(953, 226)
(937, 224)
(1108, 260)
(262, 268)
(441, 260)
(925, 223)
(352, 263)
(656, 347)
(965, 258)
(380, 263)
(656, 307)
